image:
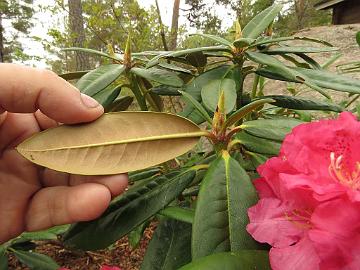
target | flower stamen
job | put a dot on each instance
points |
(341, 175)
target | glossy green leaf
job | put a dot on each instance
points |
(272, 129)
(358, 38)
(107, 96)
(170, 246)
(179, 213)
(154, 61)
(298, 103)
(73, 75)
(165, 90)
(3, 259)
(289, 49)
(36, 261)
(129, 211)
(158, 75)
(174, 68)
(197, 106)
(261, 21)
(120, 104)
(134, 237)
(221, 216)
(242, 112)
(89, 149)
(214, 38)
(98, 79)
(331, 80)
(210, 94)
(258, 145)
(90, 51)
(242, 260)
(143, 174)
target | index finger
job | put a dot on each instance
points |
(25, 90)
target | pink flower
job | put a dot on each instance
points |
(309, 207)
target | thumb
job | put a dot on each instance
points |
(25, 90)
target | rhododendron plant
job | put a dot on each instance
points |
(309, 207)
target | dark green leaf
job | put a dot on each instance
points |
(143, 174)
(221, 216)
(242, 260)
(272, 129)
(197, 59)
(3, 259)
(197, 106)
(158, 75)
(210, 94)
(127, 212)
(170, 247)
(280, 39)
(107, 96)
(175, 68)
(179, 213)
(297, 103)
(73, 75)
(134, 237)
(165, 90)
(243, 42)
(98, 79)
(120, 104)
(23, 244)
(288, 49)
(261, 21)
(258, 145)
(36, 261)
(358, 38)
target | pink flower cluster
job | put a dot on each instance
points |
(309, 207)
(104, 267)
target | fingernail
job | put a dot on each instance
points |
(89, 101)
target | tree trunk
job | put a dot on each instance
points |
(76, 25)
(300, 12)
(1, 41)
(162, 31)
(174, 25)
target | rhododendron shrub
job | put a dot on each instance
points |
(309, 207)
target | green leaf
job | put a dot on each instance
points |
(214, 38)
(158, 75)
(197, 106)
(242, 260)
(154, 61)
(143, 174)
(196, 59)
(129, 211)
(134, 237)
(98, 79)
(120, 104)
(165, 90)
(210, 94)
(242, 112)
(280, 39)
(170, 246)
(179, 213)
(289, 49)
(331, 80)
(175, 68)
(73, 75)
(258, 145)
(90, 51)
(221, 216)
(271, 129)
(358, 38)
(243, 42)
(261, 21)
(3, 259)
(36, 261)
(107, 96)
(297, 103)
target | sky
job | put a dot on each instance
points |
(45, 20)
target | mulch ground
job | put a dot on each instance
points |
(121, 254)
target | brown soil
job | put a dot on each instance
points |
(120, 254)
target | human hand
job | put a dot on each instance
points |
(32, 197)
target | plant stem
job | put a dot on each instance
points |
(254, 87)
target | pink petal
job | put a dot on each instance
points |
(268, 223)
(301, 256)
